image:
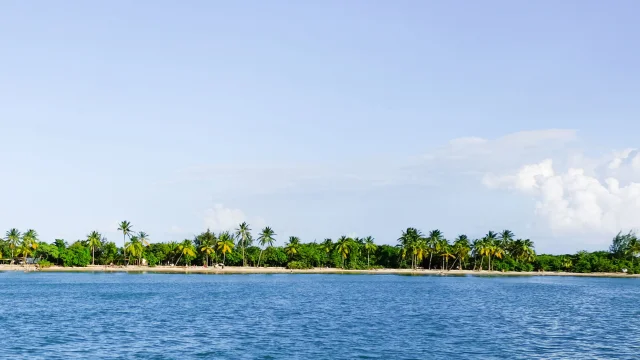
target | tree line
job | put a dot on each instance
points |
(414, 250)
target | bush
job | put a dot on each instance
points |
(152, 260)
(76, 255)
(297, 265)
(44, 264)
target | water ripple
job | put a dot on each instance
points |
(170, 316)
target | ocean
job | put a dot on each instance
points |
(301, 316)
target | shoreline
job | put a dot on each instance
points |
(276, 270)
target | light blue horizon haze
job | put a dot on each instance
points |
(321, 118)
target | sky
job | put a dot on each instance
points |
(321, 118)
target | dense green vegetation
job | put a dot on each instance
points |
(499, 252)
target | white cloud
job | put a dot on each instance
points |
(466, 155)
(221, 218)
(471, 155)
(577, 201)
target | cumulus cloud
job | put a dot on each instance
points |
(578, 201)
(221, 218)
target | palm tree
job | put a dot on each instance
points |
(370, 246)
(327, 246)
(491, 239)
(506, 239)
(482, 247)
(29, 243)
(24, 251)
(266, 238)
(293, 247)
(95, 240)
(410, 240)
(172, 246)
(435, 238)
(243, 232)
(126, 229)
(343, 247)
(495, 251)
(224, 244)
(143, 237)
(134, 248)
(207, 242)
(461, 249)
(447, 253)
(13, 238)
(185, 248)
(523, 250)
(633, 248)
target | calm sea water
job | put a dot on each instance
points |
(169, 316)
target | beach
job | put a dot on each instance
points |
(281, 270)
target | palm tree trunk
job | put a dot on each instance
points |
(430, 258)
(224, 257)
(179, 257)
(367, 259)
(93, 255)
(489, 262)
(244, 263)
(481, 261)
(454, 263)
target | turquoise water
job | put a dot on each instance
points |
(170, 316)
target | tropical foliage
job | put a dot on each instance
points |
(414, 249)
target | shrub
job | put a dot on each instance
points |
(295, 265)
(44, 264)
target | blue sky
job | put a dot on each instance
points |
(321, 118)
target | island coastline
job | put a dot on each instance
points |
(282, 270)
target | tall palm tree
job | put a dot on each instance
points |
(491, 240)
(434, 239)
(13, 238)
(135, 248)
(482, 247)
(410, 241)
(207, 244)
(266, 238)
(172, 246)
(186, 248)
(243, 232)
(293, 247)
(447, 254)
(523, 250)
(370, 246)
(29, 243)
(327, 246)
(496, 251)
(126, 229)
(461, 248)
(506, 239)
(143, 237)
(224, 244)
(343, 247)
(95, 240)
